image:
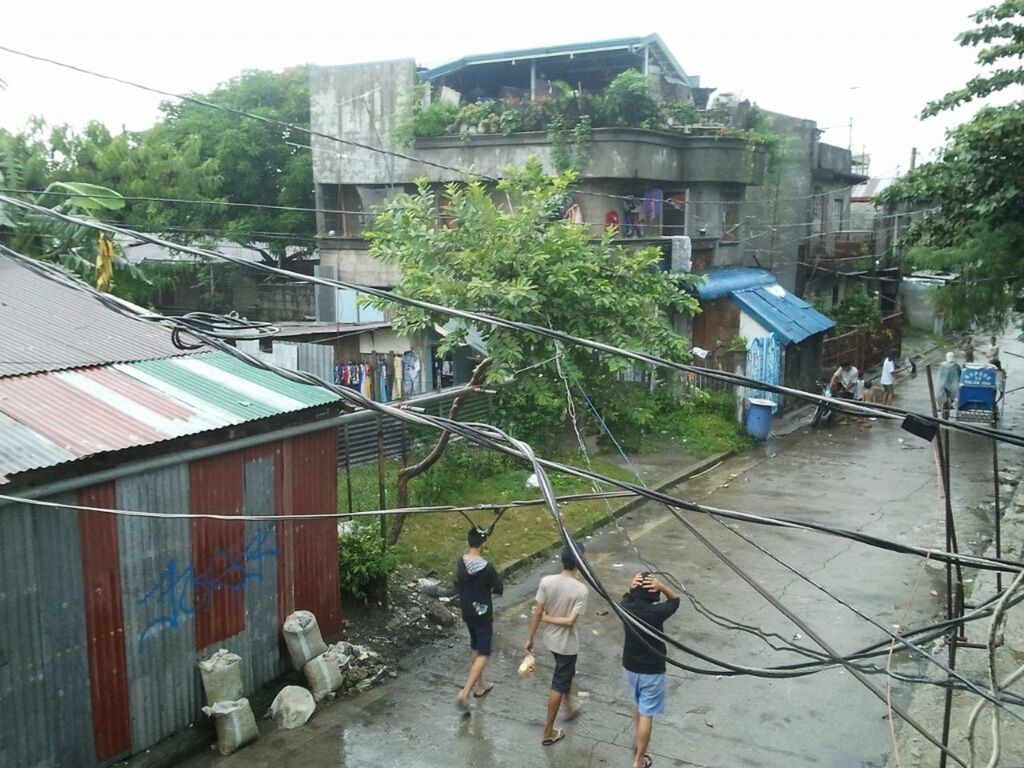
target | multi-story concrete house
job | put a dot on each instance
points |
(665, 170)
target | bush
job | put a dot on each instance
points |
(363, 563)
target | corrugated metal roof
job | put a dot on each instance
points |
(48, 326)
(778, 310)
(51, 417)
(571, 49)
(21, 448)
(722, 283)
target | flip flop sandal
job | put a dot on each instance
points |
(648, 761)
(462, 706)
(559, 735)
(480, 694)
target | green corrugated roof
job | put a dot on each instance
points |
(260, 402)
(307, 394)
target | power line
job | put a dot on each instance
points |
(497, 439)
(347, 142)
(486, 319)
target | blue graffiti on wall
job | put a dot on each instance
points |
(182, 591)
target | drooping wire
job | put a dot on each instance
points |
(839, 405)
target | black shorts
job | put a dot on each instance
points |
(565, 671)
(480, 636)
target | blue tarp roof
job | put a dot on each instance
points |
(778, 310)
(719, 284)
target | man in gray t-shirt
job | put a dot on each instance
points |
(561, 600)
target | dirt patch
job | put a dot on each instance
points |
(417, 610)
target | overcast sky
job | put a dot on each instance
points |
(875, 61)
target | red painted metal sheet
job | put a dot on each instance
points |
(69, 417)
(101, 579)
(133, 389)
(311, 486)
(218, 548)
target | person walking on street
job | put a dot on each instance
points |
(888, 377)
(476, 581)
(643, 657)
(969, 350)
(561, 600)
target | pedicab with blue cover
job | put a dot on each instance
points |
(977, 399)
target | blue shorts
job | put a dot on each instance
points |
(480, 636)
(649, 692)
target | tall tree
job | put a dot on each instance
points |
(511, 254)
(197, 154)
(973, 190)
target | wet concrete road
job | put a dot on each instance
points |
(870, 476)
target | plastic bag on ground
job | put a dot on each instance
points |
(222, 677)
(235, 723)
(323, 674)
(292, 707)
(302, 636)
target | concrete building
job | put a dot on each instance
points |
(799, 220)
(675, 180)
(685, 176)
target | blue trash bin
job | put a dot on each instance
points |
(759, 418)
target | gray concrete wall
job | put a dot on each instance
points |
(359, 103)
(358, 266)
(776, 213)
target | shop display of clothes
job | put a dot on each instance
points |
(381, 376)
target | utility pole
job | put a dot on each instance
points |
(913, 158)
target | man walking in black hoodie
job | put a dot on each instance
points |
(476, 580)
(645, 666)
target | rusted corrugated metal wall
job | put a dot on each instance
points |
(105, 617)
(313, 544)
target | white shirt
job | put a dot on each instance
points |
(847, 377)
(888, 369)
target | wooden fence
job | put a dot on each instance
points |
(862, 347)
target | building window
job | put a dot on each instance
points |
(837, 214)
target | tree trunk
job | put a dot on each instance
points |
(408, 473)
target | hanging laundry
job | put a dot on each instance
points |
(410, 372)
(574, 214)
(653, 203)
(631, 214)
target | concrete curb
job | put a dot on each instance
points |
(702, 466)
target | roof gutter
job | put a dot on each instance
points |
(195, 454)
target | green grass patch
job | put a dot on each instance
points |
(699, 426)
(433, 542)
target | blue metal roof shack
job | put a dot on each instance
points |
(756, 293)
(778, 310)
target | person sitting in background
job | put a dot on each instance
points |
(844, 380)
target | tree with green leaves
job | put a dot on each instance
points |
(202, 156)
(973, 190)
(508, 251)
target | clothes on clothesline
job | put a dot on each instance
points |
(381, 377)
